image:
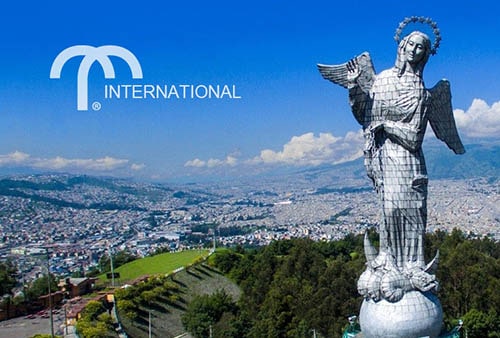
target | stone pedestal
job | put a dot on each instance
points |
(416, 315)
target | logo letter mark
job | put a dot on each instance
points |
(90, 55)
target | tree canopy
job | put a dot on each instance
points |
(8, 271)
(40, 287)
(292, 287)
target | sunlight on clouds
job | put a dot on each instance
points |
(307, 149)
(480, 120)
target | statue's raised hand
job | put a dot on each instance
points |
(353, 71)
(357, 71)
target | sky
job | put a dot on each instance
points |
(276, 110)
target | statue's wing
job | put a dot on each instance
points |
(338, 73)
(441, 116)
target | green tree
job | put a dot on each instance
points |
(87, 329)
(256, 275)
(119, 258)
(288, 303)
(8, 271)
(148, 297)
(482, 325)
(306, 285)
(95, 322)
(225, 261)
(93, 272)
(106, 319)
(468, 276)
(40, 287)
(92, 310)
(128, 309)
(206, 310)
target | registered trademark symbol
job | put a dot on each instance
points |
(96, 105)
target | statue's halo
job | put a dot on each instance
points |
(424, 20)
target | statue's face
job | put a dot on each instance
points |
(415, 49)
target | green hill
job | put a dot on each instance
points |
(167, 299)
(159, 264)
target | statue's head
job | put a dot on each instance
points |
(414, 51)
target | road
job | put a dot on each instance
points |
(23, 327)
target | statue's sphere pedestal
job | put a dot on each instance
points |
(416, 315)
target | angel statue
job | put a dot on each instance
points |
(393, 108)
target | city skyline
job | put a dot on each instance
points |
(277, 109)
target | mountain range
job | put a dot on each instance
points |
(480, 160)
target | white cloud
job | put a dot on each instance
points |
(137, 167)
(197, 163)
(15, 157)
(480, 120)
(213, 162)
(101, 164)
(308, 149)
(106, 163)
(230, 160)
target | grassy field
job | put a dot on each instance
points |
(159, 264)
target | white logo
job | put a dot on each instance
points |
(91, 54)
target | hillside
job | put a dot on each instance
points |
(290, 288)
(480, 160)
(166, 311)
